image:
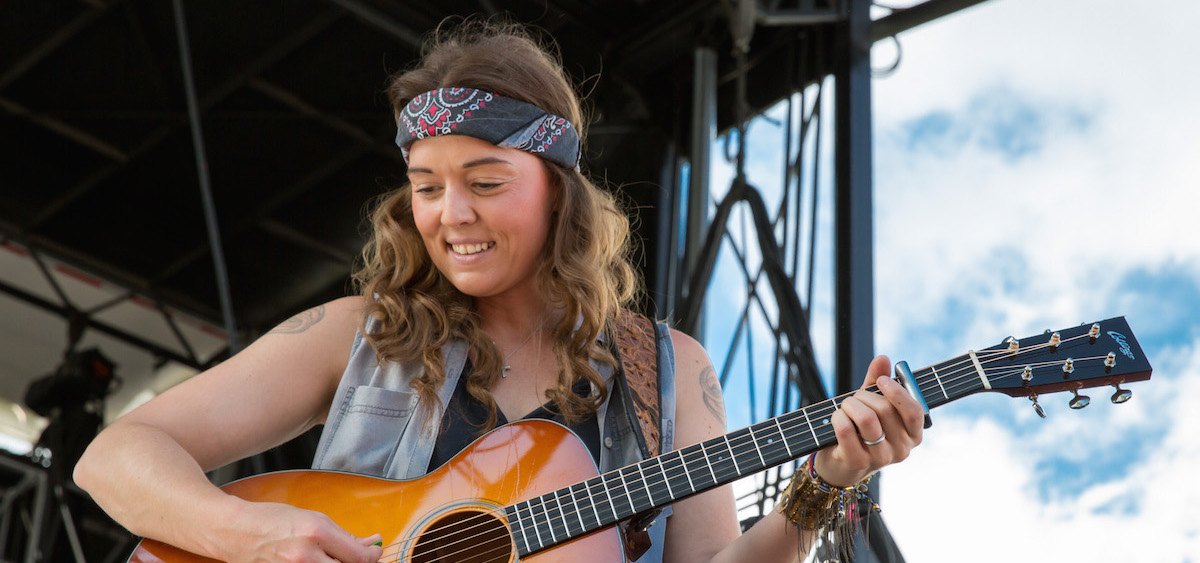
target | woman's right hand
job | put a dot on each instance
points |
(271, 532)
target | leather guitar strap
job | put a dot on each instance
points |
(637, 363)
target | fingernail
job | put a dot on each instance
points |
(378, 543)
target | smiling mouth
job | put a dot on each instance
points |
(468, 249)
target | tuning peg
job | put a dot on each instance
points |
(1068, 367)
(1093, 333)
(1055, 340)
(1036, 407)
(1079, 401)
(1121, 395)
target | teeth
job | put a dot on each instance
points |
(470, 248)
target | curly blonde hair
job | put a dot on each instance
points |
(584, 270)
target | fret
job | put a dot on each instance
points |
(783, 437)
(686, 472)
(666, 480)
(811, 428)
(576, 512)
(757, 449)
(938, 379)
(708, 464)
(561, 515)
(646, 484)
(592, 501)
(729, 447)
(604, 487)
(628, 493)
(534, 518)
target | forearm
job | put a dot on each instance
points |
(770, 540)
(148, 483)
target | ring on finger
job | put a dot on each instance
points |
(876, 442)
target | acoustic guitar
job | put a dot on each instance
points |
(529, 491)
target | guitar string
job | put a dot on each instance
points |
(666, 478)
(956, 377)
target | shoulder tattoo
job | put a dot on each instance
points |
(300, 322)
(712, 393)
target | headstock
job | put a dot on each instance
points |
(1089, 355)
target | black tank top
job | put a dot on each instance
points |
(463, 422)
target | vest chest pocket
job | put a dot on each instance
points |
(368, 425)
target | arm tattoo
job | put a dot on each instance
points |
(301, 322)
(712, 393)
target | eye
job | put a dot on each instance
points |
(426, 189)
(488, 185)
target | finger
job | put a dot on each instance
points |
(372, 539)
(865, 420)
(907, 408)
(845, 463)
(881, 366)
(347, 548)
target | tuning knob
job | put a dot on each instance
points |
(1079, 401)
(1036, 407)
(1121, 395)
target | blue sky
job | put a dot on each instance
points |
(1036, 166)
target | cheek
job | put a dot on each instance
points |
(425, 218)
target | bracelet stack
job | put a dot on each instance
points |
(812, 504)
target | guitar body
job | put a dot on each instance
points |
(452, 515)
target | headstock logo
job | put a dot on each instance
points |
(1120, 338)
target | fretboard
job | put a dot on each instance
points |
(561, 515)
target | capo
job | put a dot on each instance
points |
(910, 384)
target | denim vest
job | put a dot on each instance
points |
(378, 425)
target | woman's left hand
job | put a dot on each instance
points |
(872, 430)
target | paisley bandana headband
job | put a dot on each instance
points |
(504, 122)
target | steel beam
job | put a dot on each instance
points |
(903, 20)
(380, 20)
(853, 271)
(704, 131)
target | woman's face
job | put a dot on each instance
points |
(483, 212)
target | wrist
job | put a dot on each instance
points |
(225, 518)
(829, 475)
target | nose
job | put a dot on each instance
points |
(458, 206)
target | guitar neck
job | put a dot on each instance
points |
(1018, 368)
(564, 514)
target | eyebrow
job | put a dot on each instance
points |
(469, 164)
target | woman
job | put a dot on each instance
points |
(489, 290)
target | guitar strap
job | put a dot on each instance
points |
(637, 362)
(637, 365)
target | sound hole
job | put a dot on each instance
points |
(464, 537)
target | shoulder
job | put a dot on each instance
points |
(690, 356)
(339, 315)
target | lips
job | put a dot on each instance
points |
(473, 248)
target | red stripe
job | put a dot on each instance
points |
(15, 248)
(78, 275)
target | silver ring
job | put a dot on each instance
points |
(882, 436)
